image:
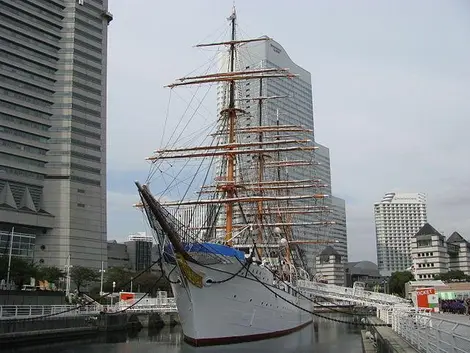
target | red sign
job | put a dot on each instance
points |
(422, 297)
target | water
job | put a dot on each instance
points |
(323, 337)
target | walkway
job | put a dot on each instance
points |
(357, 294)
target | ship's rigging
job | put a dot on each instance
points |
(252, 199)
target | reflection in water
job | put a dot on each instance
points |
(323, 336)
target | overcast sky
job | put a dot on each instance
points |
(391, 83)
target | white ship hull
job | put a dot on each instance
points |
(240, 309)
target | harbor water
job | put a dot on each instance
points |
(323, 336)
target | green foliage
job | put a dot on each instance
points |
(143, 283)
(51, 274)
(21, 270)
(398, 280)
(82, 276)
(454, 275)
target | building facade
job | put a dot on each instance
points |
(330, 266)
(139, 247)
(53, 61)
(429, 253)
(293, 106)
(398, 217)
(338, 231)
(434, 255)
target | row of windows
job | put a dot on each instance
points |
(96, 39)
(24, 110)
(24, 122)
(94, 18)
(96, 49)
(86, 99)
(26, 51)
(26, 86)
(86, 56)
(17, 59)
(86, 133)
(85, 168)
(86, 77)
(85, 156)
(27, 74)
(87, 88)
(4, 8)
(29, 28)
(32, 6)
(87, 67)
(86, 121)
(21, 173)
(22, 134)
(50, 49)
(85, 180)
(27, 161)
(91, 146)
(24, 97)
(20, 146)
(96, 112)
(89, 26)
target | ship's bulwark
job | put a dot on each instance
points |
(238, 310)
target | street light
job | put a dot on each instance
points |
(112, 295)
(102, 276)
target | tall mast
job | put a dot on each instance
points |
(261, 169)
(232, 116)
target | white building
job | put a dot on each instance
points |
(429, 253)
(398, 217)
(192, 217)
(330, 266)
(459, 253)
(433, 255)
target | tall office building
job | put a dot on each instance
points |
(295, 108)
(337, 231)
(398, 217)
(53, 127)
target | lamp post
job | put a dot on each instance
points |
(9, 257)
(112, 295)
(131, 283)
(102, 276)
(67, 279)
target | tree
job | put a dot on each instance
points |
(398, 280)
(21, 269)
(52, 274)
(451, 275)
(121, 276)
(82, 276)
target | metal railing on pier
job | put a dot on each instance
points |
(160, 305)
(429, 332)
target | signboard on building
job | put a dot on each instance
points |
(426, 298)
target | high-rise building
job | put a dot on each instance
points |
(294, 106)
(53, 61)
(398, 217)
(139, 248)
(338, 231)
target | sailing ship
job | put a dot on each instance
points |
(234, 276)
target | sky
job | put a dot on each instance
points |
(391, 86)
